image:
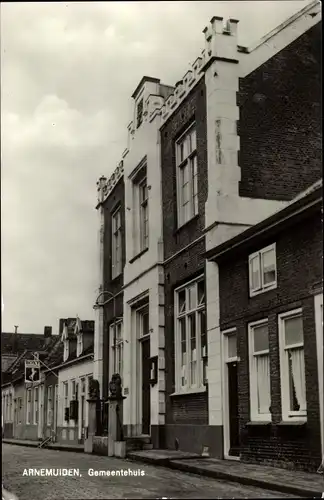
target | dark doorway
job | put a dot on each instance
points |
(234, 432)
(146, 393)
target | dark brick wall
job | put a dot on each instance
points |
(115, 199)
(189, 409)
(299, 268)
(280, 122)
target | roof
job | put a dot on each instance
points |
(144, 79)
(308, 200)
(17, 343)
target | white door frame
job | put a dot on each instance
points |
(318, 307)
(225, 360)
(139, 339)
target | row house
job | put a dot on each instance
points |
(56, 406)
(271, 327)
(233, 142)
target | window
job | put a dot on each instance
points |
(20, 410)
(36, 409)
(116, 361)
(66, 350)
(143, 215)
(73, 388)
(187, 176)
(143, 321)
(116, 240)
(79, 344)
(49, 405)
(292, 366)
(262, 270)
(28, 407)
(191, 336)
(139, 113)
(10, 407)
(66, 394)
(259, 360)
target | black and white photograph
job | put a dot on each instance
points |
(161, 250)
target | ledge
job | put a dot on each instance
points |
(294, 423)
(189, 392)
(258, 422)
(138, 256)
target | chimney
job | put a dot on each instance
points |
(16, 328)
(47, 331)
(61, 326)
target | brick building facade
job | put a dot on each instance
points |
(285, 429)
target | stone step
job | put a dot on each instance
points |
(148, 446)
(135, 443)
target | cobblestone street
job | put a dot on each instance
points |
(157, 482)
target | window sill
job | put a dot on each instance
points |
(197, 390)
(179, 228)
(137, 256)
(264, 290)
(293, 423)
(258, 422)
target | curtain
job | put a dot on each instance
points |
(298, 375)
(263, 378)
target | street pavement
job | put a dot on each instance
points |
(153, 482)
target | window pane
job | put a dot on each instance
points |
(255, 273)
(201, 292)
(145, 323)
(192, 300)
(203, 332)
(268, 265)
(183, 350)
(263, 383)
(293, 330)
(193, 140)
(193, 349)
(261, 338)
(297, 384)
(232, 348)
(182, 301)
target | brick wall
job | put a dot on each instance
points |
(115, 199)
(299, 268)
(189, 264)
(280, 122)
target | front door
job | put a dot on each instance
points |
(146, 389)
(234, 432)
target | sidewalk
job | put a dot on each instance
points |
(79, 448)
(297, 483)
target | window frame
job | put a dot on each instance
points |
(289, 415)
(49, 411)
(36, 406)
(28, 407)
(262, 288)
(190, 162)
(200, 384)
(116, 237)
(254, 412)
(66, 394)
(143, 211)
(139, 114)
(119, 347)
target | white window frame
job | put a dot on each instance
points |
(66, 349)
(28, 406)
(116, 239)
(288, 415)
(254, 412)
(36, 406)
(65, 398)
(189, 162)
(49, 405)
(199, 385)
(262, 287)
(143, 215)
(119, 347)
(79, 343)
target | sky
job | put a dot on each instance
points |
(67, 74)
